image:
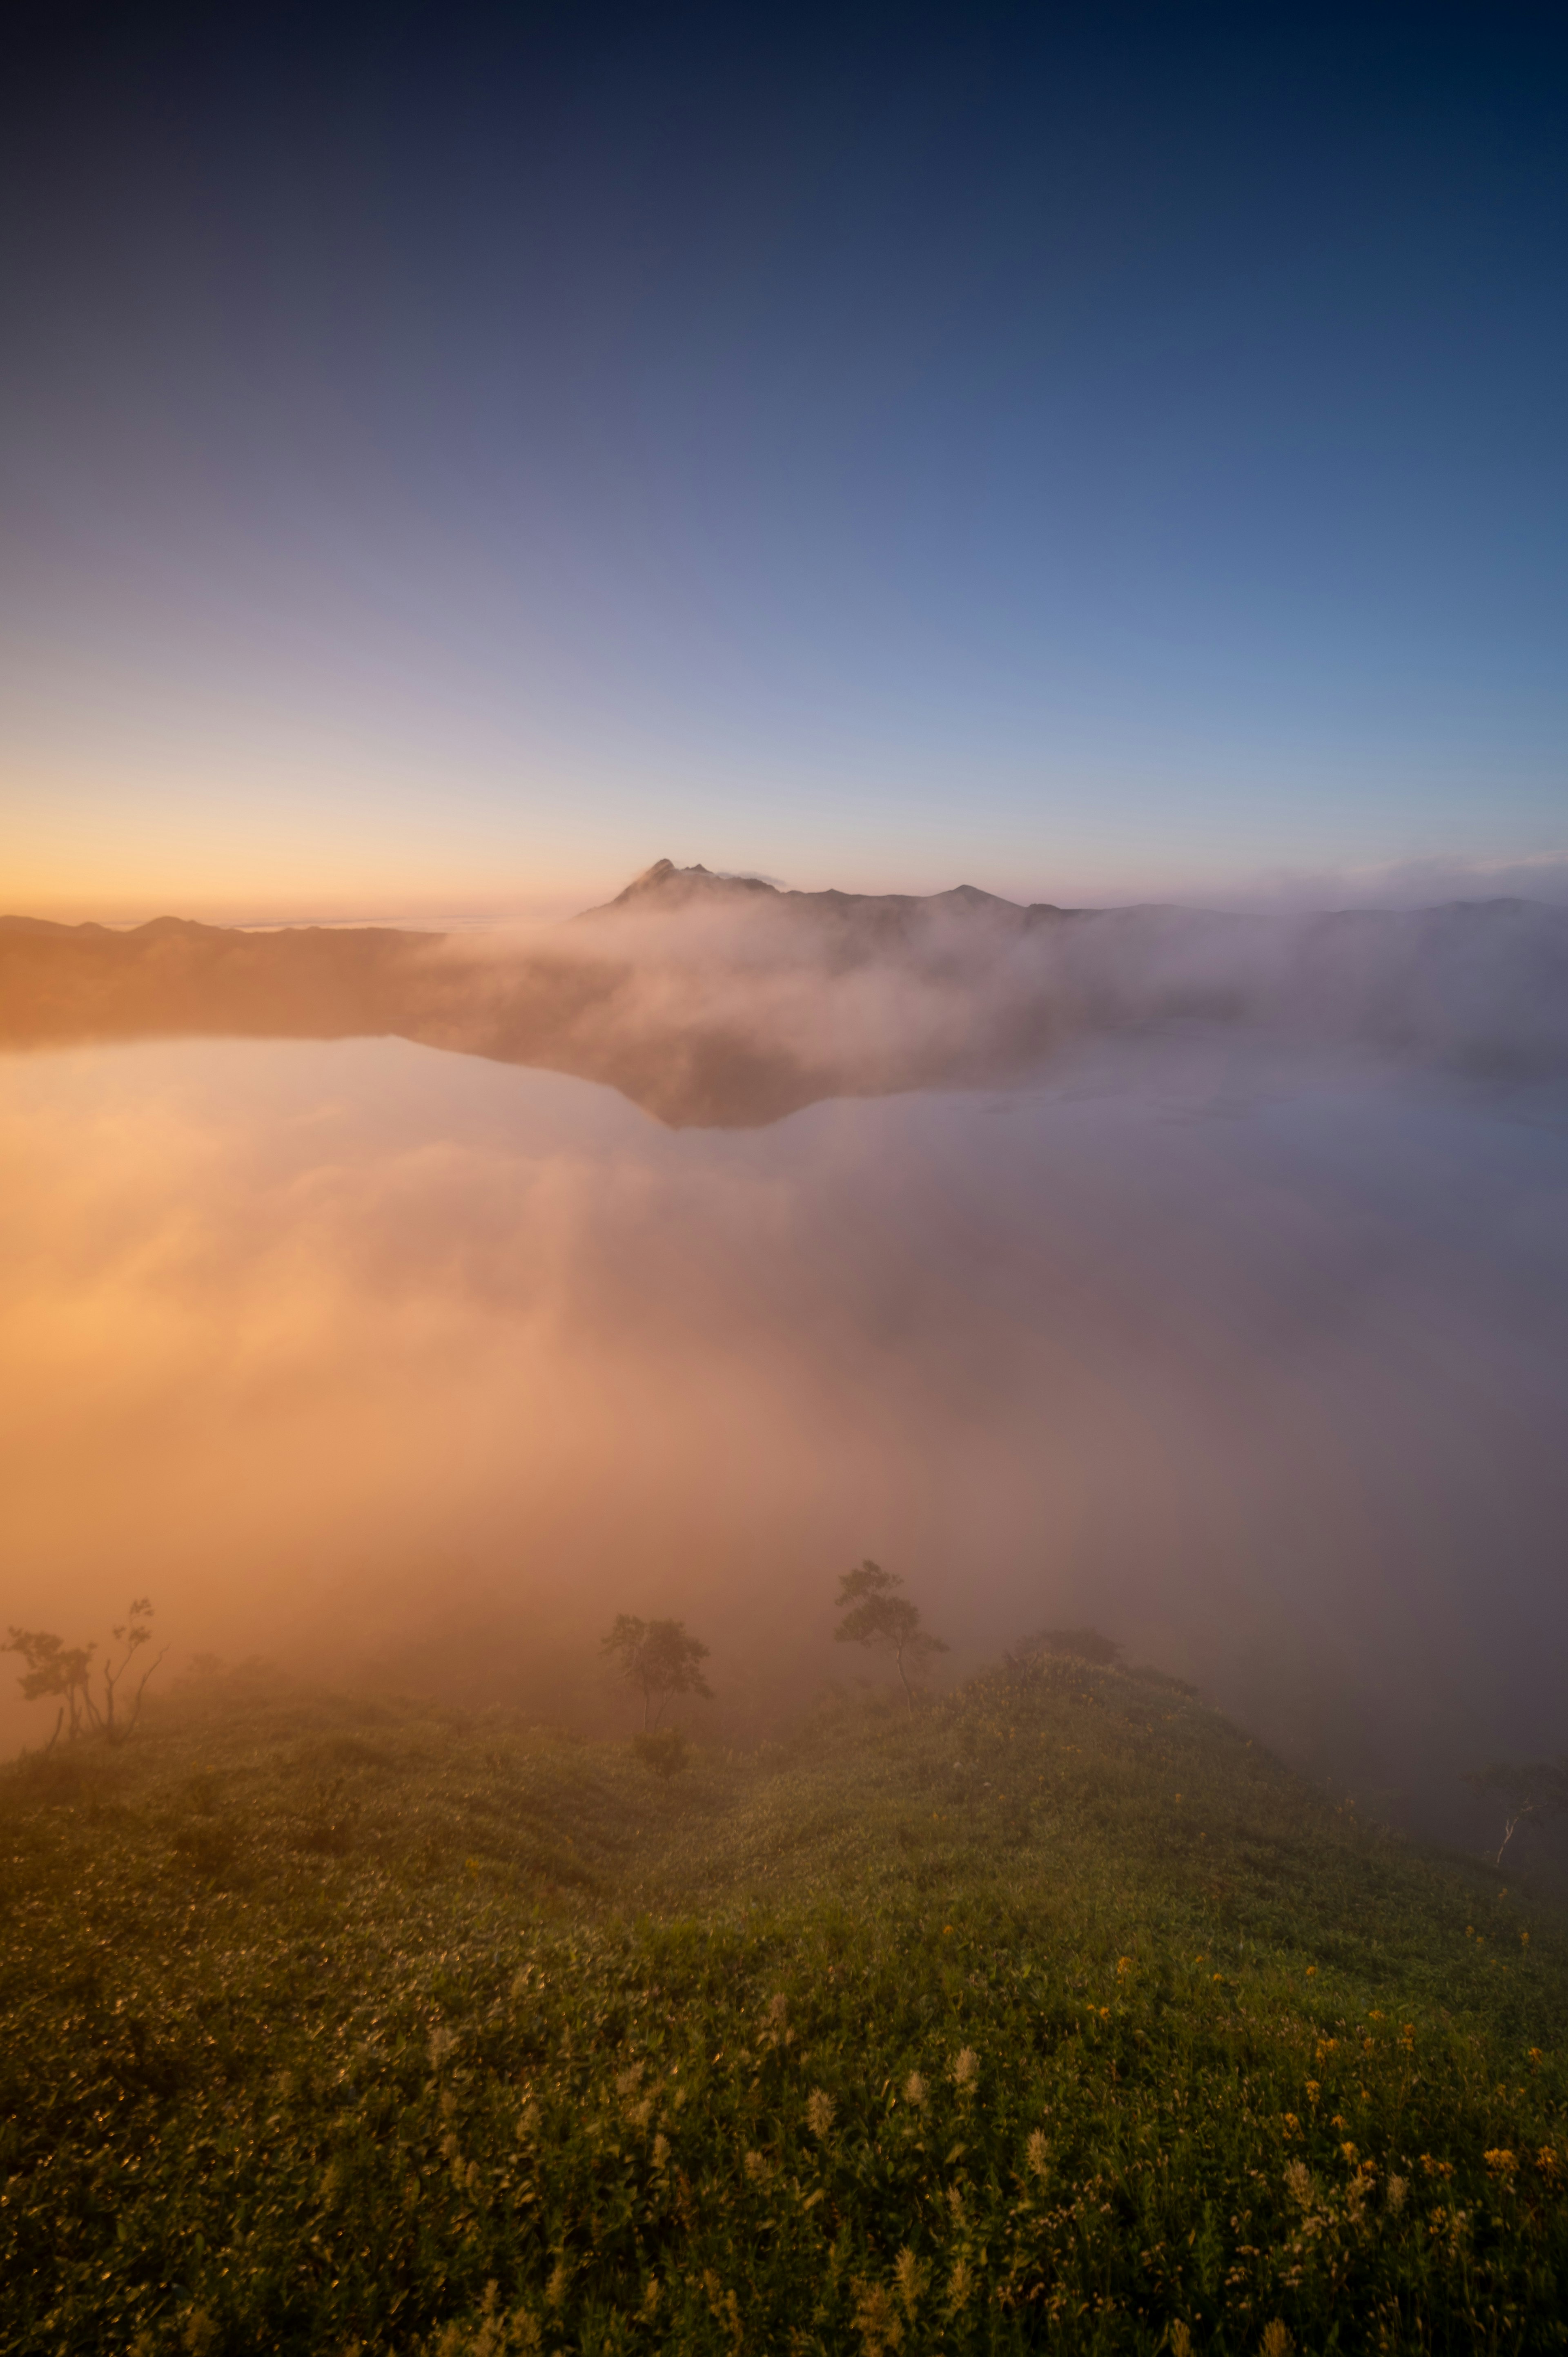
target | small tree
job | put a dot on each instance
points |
(1530, 1791)
(53, 1668)
(658, 1659)
(874, 1614)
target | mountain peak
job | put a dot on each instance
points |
(667, 886)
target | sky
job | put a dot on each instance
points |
(452, 457)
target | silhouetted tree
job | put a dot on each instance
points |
(1530, 1791)
(658, 1659)
(53, 1668)
(875, 1614)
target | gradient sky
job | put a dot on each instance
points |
(454, 456)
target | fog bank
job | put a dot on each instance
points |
(360, 1354)
(721, 1002)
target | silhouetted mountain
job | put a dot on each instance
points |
(723, 1000)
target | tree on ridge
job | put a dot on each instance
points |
(875, 1614)
(54, 1668)
(658, 1658)
(1530, 1790)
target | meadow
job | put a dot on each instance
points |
(1055, 2016)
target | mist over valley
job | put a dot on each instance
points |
(1205, 1279)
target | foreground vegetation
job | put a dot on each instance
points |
(1053, 2016)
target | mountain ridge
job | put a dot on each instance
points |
(727, 1001)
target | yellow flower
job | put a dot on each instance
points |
(1503, 2162)
(819, 2110)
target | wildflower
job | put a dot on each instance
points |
(1298, 2184)
(1276, 2341)
(1398, 2187)
(723, 2305)
(1311, 1971)
(1313, 2091)
(1501, 2161)
(819, 2110)
(1349, 2152)
(966, 2071)
(1546, 2158)
(1181, 2340)
(909, 2273)
(1535, 2057)
(758, 2167)
(560, 2277)
(627, 2080)
(1291, 2123)
(1124, 1966)
(876, 2321)
(961, 2285)
(1035, 2159)
(661, 2152)
(914, 2089)
(1524, 1939)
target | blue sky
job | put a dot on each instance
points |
(453, 457)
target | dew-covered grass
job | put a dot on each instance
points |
(1058, 2017)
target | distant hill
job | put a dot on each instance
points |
(1058, 2015)
(723, 1000)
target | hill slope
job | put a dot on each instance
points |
(1059, 2016)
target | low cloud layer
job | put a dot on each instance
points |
(1253, 1354)
(719, 1002)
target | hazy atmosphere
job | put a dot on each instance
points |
(1246, 1343)
(1065, 517)
(784, 1134)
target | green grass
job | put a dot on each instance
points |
(1059, 2016)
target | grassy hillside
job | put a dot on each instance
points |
(1060, 2017)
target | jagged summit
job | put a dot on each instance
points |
(669, 887)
